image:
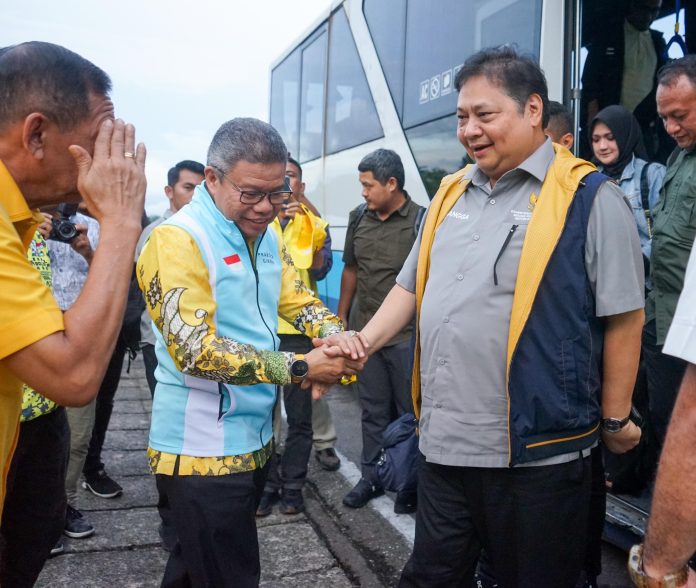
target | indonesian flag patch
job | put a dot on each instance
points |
(233, 262)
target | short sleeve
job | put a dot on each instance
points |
(28, 311)
(613, 258)
(348, 252)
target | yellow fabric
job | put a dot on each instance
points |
(543, 232)
(174, 279)
(28, 311)
(34, 404)
(303, 236)
(165, 463)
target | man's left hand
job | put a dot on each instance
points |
(624, 440)
(291, 208)
(81, 243)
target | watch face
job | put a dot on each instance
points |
(299, 368)
(612, 425)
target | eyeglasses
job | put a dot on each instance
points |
(256, 196)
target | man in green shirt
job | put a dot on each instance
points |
(674, 231)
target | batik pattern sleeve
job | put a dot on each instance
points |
(299, 306)
(175, 281)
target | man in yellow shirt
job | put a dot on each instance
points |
(304, 235)
(59, 143)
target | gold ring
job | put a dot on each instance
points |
(352, 333)
(129, 154)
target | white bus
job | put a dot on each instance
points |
(380, 73)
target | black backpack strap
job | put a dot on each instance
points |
(645, 198)
(418, 221)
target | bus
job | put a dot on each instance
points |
(380, 73)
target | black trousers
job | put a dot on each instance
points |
(34, 514)
(384, 386)
(532, 523)
(103, 410)
(664, 375)
(298, 444)
(211, 523)
(150, 361)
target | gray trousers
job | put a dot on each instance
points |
(324, 432)
(384, 388)
(81, 421)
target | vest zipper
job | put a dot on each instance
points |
(252, 258)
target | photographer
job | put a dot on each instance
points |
(71, 248)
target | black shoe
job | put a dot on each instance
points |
(102, 485)
(362, 493)
(292, 502)
(327, 458)
(406, 502)
(57, 549)
(265, 507)
(75, 524)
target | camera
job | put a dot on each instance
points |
(64, 230)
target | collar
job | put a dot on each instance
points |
(11, 197)
(12, 200)
(537, 164)
(629, 170)
(402, 210)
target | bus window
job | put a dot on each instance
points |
(386, 20)
(441, 35)
(312, 99)
(351, 117)
(437, 151)
(285, 97)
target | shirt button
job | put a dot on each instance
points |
(438, 405)
(491, 201)
(476, 237)
(445, 320)
(460, 277)
(441, 361)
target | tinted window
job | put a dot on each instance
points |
(285, 99)
(352, 118)
(312, 98)
(436, 150)
(386, 20)
(462, 29)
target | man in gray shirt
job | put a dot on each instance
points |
(527, 281)
(181, 180)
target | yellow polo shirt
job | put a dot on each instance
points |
(28, 311)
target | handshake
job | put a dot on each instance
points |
(338, 355)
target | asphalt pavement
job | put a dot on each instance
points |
(328, 545)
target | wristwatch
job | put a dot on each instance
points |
(611, 425)
(642, 580)
(298, 369)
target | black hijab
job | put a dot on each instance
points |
(627, 134)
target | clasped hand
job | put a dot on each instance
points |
(341, 354)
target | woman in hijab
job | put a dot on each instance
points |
(617, 145)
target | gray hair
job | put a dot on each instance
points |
(245, 139)
(669, 74)
(47, 78)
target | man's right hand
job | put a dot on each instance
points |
(113, 185)
(328, 369)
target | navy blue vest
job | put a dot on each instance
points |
(556, 368)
